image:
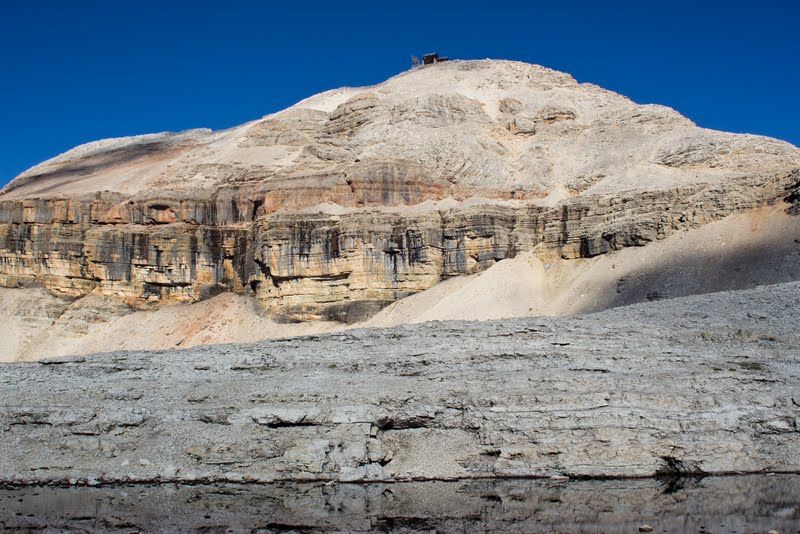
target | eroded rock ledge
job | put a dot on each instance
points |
(322, 266)
(704, 384)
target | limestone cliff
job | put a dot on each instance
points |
(357, 197)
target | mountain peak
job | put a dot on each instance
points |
(493, 129)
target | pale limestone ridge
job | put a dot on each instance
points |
(485, 128)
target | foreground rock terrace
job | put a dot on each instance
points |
(703, 384)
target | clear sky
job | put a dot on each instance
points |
(75, 71)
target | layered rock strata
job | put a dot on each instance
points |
(339, 267)
(354, 198)
(708, 385)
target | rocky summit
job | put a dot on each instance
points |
(355, 198)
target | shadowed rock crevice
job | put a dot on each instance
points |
(793, 199)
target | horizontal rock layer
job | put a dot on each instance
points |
(328, 266)
(703, 384)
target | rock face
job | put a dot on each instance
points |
(357, 197)
(709, 384)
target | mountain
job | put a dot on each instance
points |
(333, 209)
(464, 190)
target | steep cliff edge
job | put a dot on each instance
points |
(355, 198)
(741, 251)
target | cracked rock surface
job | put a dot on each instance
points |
(702, 384)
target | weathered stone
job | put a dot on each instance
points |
(432, 401)
(345, 267)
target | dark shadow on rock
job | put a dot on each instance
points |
(700, 272)
(89, 165)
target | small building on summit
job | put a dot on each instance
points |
(430, 59)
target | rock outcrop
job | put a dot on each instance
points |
(357, 197)
(741, 251)
(703, 384)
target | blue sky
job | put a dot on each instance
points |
(72, 72)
